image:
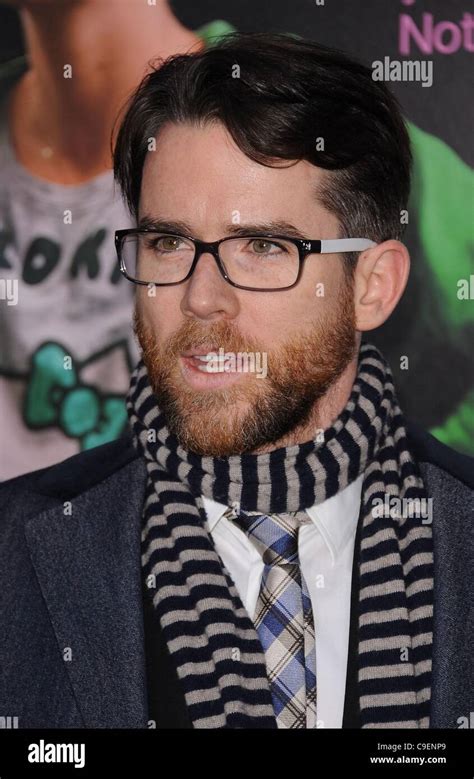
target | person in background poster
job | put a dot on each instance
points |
(66, 341)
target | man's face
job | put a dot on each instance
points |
(302, 339)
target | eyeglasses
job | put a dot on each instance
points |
(262, 263)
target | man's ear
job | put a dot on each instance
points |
(380, 279)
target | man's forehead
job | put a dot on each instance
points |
(203, 179)
(210, 147)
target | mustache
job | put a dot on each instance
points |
(192, 334)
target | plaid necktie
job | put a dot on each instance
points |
(283, 616)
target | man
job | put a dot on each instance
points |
(58, 105)
(271, 546)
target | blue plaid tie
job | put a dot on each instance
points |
(283, 616)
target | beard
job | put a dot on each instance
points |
(251, 413)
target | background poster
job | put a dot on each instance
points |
(429, 339)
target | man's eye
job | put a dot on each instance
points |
(262, 246)
(166, 243)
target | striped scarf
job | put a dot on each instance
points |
(211, 638)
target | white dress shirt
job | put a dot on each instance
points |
(326, 550)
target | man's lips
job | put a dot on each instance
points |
(201, 351)
(208, 361)
(205, 367)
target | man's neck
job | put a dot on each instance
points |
(61, 127)
(324, 413)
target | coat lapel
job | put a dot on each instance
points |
(86, 555)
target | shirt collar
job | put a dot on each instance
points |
(214, 511)
(336, 518)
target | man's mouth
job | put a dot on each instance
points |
(208, 361)
(205, 368)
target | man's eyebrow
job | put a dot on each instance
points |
(258, 228)
(147, 222)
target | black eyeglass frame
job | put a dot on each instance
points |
(305, 246)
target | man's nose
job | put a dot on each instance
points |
(207, 295)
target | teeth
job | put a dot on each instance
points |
(212, 362)
(216, 367)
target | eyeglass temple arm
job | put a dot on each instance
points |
(337, 245)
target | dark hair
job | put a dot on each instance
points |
(288, 93)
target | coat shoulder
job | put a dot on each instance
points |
(67, 479)
(427, 449)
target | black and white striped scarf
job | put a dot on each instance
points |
(211, 638)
